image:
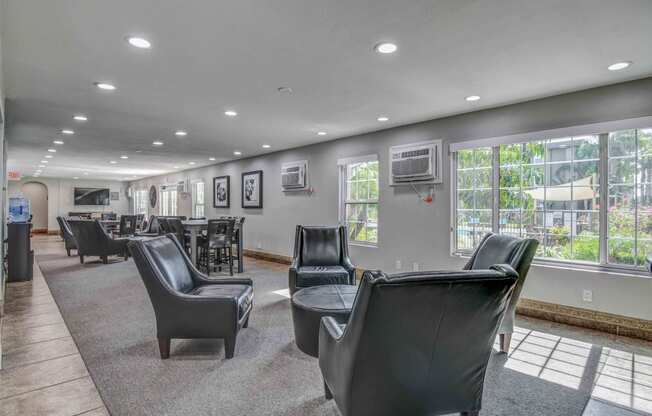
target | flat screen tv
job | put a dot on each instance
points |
(92, 196)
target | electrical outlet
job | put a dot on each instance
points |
(259, 245)
(398, 265)
(587, 295)
(415, 267)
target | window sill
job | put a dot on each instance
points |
(362, 244)
(582, 267)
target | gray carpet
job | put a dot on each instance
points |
(110, 317)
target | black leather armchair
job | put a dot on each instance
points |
(66, 233)
(186, 303)
(415, 344)
(321, 257)
(518, 253)
(93, 240)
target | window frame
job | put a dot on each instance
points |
(193, 189)
(602, 130)
(343, 194)
(140, 196)
(172, 203)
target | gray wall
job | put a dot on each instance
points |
(412, 231)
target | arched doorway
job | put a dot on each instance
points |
(37, 193)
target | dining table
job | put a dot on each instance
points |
(196, 227)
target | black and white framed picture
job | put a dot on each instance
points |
(252, 189)
(222, 192)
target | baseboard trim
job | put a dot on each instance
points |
(263, 255)
(569, 315)
(586, 318)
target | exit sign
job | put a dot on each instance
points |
(13, 175)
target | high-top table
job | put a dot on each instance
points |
(197, 226)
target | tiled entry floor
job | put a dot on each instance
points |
(42, 372)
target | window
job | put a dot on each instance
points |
(198, 199)
(551, 189)
(359, 198)
(140, 201)
(168, 204)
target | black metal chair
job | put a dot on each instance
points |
(415, 344)
(518, 253)
(93, 240)
(109, 216)
(321, 257)
(128, 224)
(66, 234)
(217, 245)
(186, 303)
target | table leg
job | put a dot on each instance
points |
(193, 245)
(240, 250)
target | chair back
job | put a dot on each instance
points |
(110, 216)
(66, 233)
(419, 343)
(175, 227)
(164, 228)
(127, 224)
(163, 266)
(91, 237)
(517, 252)
(320, 246)
(220, 232)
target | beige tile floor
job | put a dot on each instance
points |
(42, 372)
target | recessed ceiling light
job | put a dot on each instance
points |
(67, 131)
(39, 171)
(124, 157)
(157, 143)
(175, 167)
(80, 117)
(285, 90)
(137, 42)
(472, 98)
(230, 113)
(382, 118)
(266, 146)
(191, 163)
(321, 133)
(180, 133)
(58, 142)
(52, 150)
(75, 177)
(212, 159)
(48, 156)
(41, 166)
(237, 153)
(386, 47)
(43, 161)
(104, 86)
(619, 65)
(85, 173)
(113, 162)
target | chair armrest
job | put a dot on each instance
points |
(292, 275)
(331, 327)
(201, 280)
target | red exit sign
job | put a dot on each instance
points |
(13, 175)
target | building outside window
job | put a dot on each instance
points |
(198, 199)
(553, 189)
(359, 193)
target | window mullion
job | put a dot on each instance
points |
(604, 197)
(495, 182)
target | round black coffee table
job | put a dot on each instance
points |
(309, 305)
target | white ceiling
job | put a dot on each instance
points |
(210, 56)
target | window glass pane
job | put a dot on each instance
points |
(474, 197)
(361, 206)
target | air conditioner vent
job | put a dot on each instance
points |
(416, 163)
(294, 176)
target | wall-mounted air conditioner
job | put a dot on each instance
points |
(416, 163)
(294, 175)
(183, 186)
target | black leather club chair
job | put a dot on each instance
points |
(153, 228)
(321, 257)
(415, 344)
(93, 240)
(518, 253)
(66, 233)
(186, 303)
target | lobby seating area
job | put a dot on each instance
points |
(326, 209)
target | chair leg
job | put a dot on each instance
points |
(164, 347)
(471, 413)
(229, 346)
(81, 259)
(505, 340)
(327, 392)
(105, 259)
(68, 251)
(246, 323)
(230, 261)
